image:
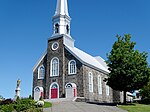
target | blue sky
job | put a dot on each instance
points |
(25, 26)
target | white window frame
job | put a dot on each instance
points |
(90, 82)
(107, 89)
(55, 28)
(41, 77)
(99, 80)
(53, 71)
(56, 47)
(72, 68)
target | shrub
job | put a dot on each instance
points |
(1, 98)
(145, 101)
(5, 102)
(18, 98)
(41, 98)
(30, 97)
(20, 105)
(23, 104)
(6, 108)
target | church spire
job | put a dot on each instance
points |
(62, 8)
(61, 19)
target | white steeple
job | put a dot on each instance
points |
(62, 8)
(61, 19)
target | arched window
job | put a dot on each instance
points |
(56, 28)
(67, 29)
(41, 72)
(90, 82)
(107, 89)
(54, 67)
(99, 84)
(72, 67)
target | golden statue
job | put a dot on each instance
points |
(18, 82)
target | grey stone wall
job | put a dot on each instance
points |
(74, 78)
(39, 82)
(59, 53)
(95, 96)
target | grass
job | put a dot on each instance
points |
(135, 108)
(47, 105)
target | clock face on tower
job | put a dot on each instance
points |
(55, 46)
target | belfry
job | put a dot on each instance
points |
(61, 19)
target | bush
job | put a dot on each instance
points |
(5, 102)
(145, 101)
(30, 97)
(41, 98)
(6, 108)
(20, 105)
(23, 104)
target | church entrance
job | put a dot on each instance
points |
(54, 91)
(71, 90)
(38, 92)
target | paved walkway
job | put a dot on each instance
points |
(70, 106)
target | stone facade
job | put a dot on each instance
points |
(75, 78)
(81, 78)
(36, 81)
(59, 53)
(95, 96)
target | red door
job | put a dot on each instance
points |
(75, 92)
(54, 93)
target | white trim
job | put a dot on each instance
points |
(90, 82)
(99, 80)
(39, 72)
(39, 61)
(85, 63)
(51, 87)
(51, 75)
(41, 88)
(53, 46)
(55, 27)
(73, 85)
(69, 68)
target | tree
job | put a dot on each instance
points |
(128, 67)
(1, 97)
(145, 91)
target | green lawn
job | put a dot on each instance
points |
(136, 108)
(47, 104)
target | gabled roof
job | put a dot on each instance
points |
(94, 62)
(97, 63)
(102, 61)
(39, 61)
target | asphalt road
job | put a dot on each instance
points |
(70, 106)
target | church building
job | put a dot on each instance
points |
(64, 71)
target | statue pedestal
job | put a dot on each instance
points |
(17, 93)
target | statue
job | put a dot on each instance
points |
(17, 91)
(18, 82)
